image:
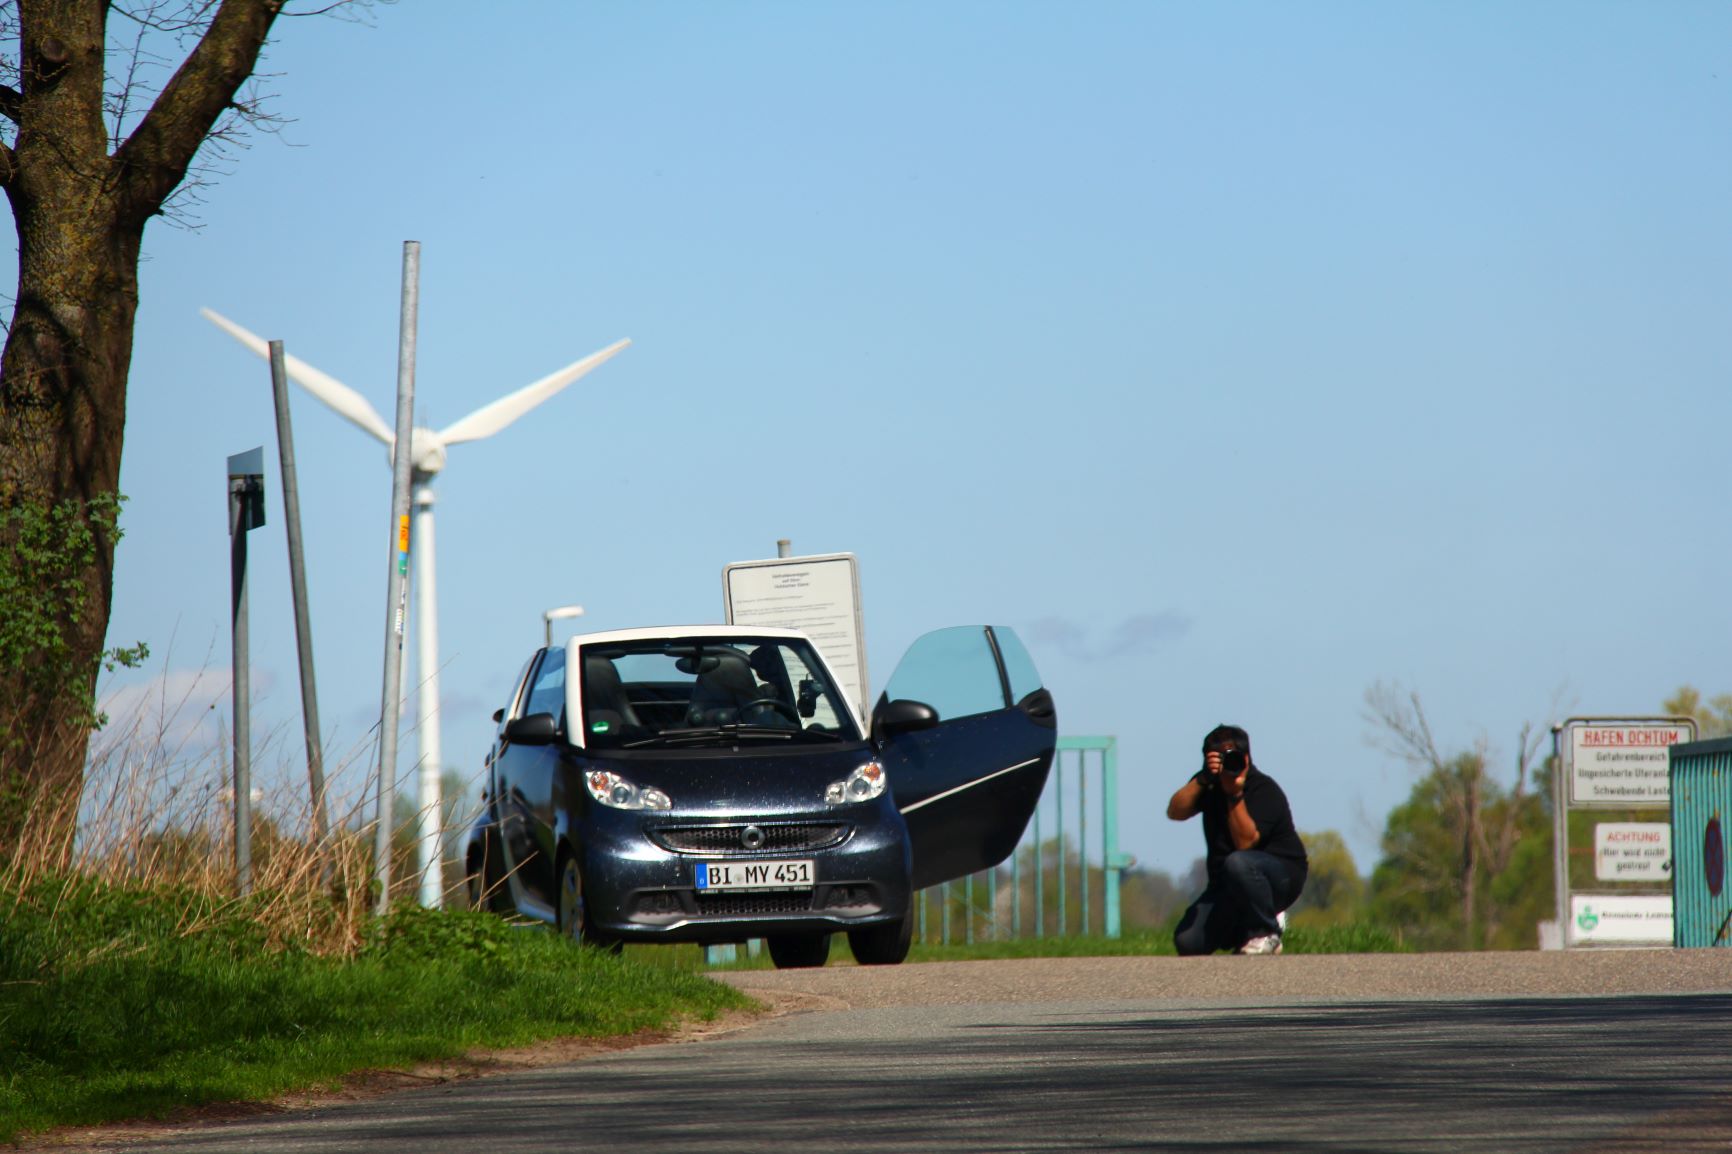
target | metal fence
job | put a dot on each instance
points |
(1063, 879)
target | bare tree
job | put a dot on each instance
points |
(1484, 838)
(107, 111)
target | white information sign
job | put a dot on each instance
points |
(819, 596)
(1622, 764)
(1633, 851)
(1620, 918)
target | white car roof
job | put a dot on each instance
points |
(673, 632)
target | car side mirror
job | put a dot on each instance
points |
(536, 729)
(901, 716)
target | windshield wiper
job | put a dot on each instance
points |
(711, 733)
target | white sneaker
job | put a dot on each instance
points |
(1266, 944)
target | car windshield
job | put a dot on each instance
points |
(697, 691)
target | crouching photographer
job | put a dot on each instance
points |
(1256, 862)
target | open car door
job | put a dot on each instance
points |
(967, 785)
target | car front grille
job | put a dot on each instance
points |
(738, 904)
(729, 840)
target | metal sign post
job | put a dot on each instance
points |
(1616, 767)
(298, 586)
(246, 512)
(397, 583)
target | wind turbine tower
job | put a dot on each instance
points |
(427, 460)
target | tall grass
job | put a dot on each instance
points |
(157, 813)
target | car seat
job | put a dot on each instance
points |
(721, 689)
(604, 696)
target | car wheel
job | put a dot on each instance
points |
(572, 922)
(482, 895)
(476, 886)
(882, 945)
(800, 952)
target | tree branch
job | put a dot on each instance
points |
(155, 158)
(1402, 729)
(10, 102)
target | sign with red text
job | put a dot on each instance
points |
(1633, 851)
(1623, 763)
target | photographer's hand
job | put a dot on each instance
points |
(1239, 824)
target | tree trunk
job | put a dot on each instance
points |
(1470, 854)
(62, 419)
(63, 397)
(80, 212)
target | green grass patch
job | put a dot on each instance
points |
(1346, 938)
(120, 1004)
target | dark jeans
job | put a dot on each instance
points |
(1240, 904)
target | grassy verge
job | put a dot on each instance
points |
(118, 1003)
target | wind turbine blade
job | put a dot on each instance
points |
(489, 419)
(346, 401)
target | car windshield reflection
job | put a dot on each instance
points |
(698, 691)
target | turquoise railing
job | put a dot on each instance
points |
(1068, 855)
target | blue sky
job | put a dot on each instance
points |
(1240, 356)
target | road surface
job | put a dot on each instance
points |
(1624, 1051)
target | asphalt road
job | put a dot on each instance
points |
(1530, 1052)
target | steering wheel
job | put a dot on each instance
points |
(778, 704)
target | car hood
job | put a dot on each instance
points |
(740, 782)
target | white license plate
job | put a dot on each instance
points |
(755, 875)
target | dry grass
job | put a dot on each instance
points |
(157, 813)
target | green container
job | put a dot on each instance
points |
(1701, 783)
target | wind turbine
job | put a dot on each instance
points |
(427, 458)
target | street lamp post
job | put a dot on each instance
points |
(560, 614)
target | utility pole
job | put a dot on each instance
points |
(397, 583)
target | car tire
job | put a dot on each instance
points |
(574, 923)
(799, 951)
(882, 945)
(571, 907)
(475, 885)
(483, 893)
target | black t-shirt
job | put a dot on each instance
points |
(1269, 812)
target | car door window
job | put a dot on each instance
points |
(547, 694)
(1018, 665)
(952, 670)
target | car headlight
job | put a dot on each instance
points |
(613, 790)
(863, 784)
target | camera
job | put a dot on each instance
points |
(1232, 761)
